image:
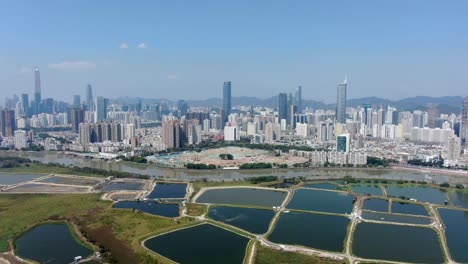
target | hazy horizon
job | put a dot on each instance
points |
(185, 50)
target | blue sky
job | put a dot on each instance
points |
(186, 49)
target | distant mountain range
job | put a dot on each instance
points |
(446, 104)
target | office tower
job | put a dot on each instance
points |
(231, 133)
(37, 91)
(171, 134)
(298, 99)
(183, 107)
(292, 113)
(7, 122)
(282, 107)
(433, 114)
(25, 103)
(76, 101)
(226, 109)
(101, 109)
(19, 113)
(464, 123)
(77, 117)
(342, 143)
(341, 102)
(89, 98)
(138, 106)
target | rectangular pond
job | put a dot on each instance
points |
(250, 219)
(321, 201)
(408, 208)
(204, 243)
(379, 205)
(13, 178)
(50, 243)
(456, 232)
(325, 232)
(397, 243)
(459, 198)
(243, 196)
(122, 185)
(421, 193)
(151, 207)
(366, 189)
(168, 190)
(405, 219)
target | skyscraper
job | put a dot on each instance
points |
(7, 122)
(298, 99)
(464, 123)
(77, 117)
(283, 106)
(101, 109)
(226, 110)
(89, 98)
(171, 134)
(25, 103)
(341, 102)
(76, 101)
(37, 91)
(433, 114)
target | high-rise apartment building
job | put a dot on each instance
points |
(171, 134)
(7, 122)
(77, 117)
(341, 102)
(226, 109)
(298, 99)
(464, 123)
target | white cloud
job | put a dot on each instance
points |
(124, 46)
(73, 65)
(172, 77)
(142, 45)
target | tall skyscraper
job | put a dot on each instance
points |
(25, 103)
(101, 109)
(76, 101)
(77, 117)
(89, 98)
(283, 106)
(226, 110)
(7, 122)
(464, 123)
(298, 99)
(341, 102)
(37, 91)
(433, 114)
(182, 106)
(171, 134)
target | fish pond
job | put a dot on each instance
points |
(50, 243)
(369, 189)
(250, 219)
(459, 198)
(122, 185)
(243, 196)
(12, 178)
(405, 219)
(456, 232)
(379, 205)
(397, 243)
(168, 190)
(151, 207)
(408, 208)
(420, 193)
(204, 243)
(319, 231)
(321, 201)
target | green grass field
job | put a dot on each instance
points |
(44, 169)
(266, 255)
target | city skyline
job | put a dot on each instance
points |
(297, 44)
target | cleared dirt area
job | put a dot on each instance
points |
(240, 156)
(47, 188)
